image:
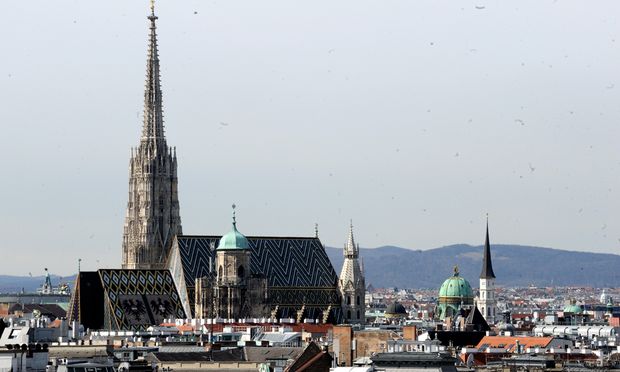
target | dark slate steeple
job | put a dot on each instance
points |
(487, 266)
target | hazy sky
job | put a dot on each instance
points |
(413, 118)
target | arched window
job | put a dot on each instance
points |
(220, 272)
(358, 314)
(240, 272)
(348, 301)
(358, 302)
(348, 314)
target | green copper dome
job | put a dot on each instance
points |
(455, 292)
(234, 239)
(573, 308)
(456, 286)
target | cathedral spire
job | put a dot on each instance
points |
(152, 218)
(153, 126)
(487, 266)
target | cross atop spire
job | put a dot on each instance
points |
(153, 125)
(487, 266)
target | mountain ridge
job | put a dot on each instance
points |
(514, 265)
(393, 266)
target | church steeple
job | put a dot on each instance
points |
(153, 125)
(152, 218)
(487, 266)
(486, 301)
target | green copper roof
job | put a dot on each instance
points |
(233, 239)
(572, 307)
(456, 287)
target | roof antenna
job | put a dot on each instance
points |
(316, 230)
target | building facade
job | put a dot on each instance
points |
(152, 219)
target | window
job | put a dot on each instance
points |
(358, 302)
(348, 301)
(240, 272)
(220, 272)
(348, 314)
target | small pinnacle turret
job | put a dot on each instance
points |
(350, 249)
(352, 284)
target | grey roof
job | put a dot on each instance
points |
(53, 310)
(249, 354)
(262, 354)
(202, 356)
(413, 358)
(280, 337)
(172, 348)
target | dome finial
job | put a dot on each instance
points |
(456, 270)
(153, 7)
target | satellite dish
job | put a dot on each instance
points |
(470, 360)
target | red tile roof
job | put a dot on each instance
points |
(510, 342)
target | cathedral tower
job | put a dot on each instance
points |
(352, 284)
(237, 293)
(152, 218)
(486, 302)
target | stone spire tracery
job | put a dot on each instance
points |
(153, 126)
(152, 220)
(352, 284)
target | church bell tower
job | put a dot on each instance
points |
(486, 302)
(152, 219)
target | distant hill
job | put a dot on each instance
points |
(390, 266)
(29, 284)
(514, 265)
